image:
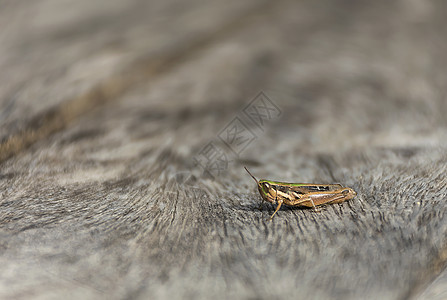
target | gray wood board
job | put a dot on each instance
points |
(103, 209)
(61, 60)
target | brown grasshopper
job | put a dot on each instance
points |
(302, 194)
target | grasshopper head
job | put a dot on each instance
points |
(267, 191)
(265, 188)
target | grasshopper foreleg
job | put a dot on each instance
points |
(277, 208)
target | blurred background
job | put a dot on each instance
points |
(125, 126)
(359, 62)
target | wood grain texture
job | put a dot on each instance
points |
(99, 210)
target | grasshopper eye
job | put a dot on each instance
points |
(266, 185)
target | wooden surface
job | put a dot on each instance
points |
(105, 107)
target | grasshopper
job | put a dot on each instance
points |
(302, 194)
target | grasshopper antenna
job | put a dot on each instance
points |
(257, 182)
(251, 175)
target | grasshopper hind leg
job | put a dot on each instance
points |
(305, 202)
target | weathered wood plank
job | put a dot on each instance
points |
(96, 212)
(59, 62)
(437, 290)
